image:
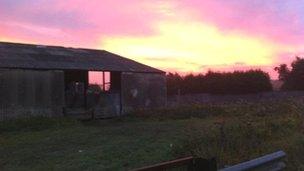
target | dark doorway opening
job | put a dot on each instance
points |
(76, 84)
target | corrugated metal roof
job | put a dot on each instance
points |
(27, 56)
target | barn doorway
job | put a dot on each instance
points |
(104, 93)
(76, 84)
(95, 93)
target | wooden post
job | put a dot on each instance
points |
(103, 81)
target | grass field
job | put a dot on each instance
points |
(230, 132)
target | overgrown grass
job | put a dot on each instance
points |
(232, 133)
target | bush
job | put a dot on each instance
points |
(242, 133)
(241, 109)
(238, 82)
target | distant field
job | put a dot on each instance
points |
(231, 132)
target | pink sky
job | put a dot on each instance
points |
(173, 35)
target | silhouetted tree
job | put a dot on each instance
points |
(283, 71)
(293, 79)
(174, 82)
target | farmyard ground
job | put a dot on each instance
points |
(249, 130)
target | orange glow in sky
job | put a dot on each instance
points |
(176, 36)
(192, 47)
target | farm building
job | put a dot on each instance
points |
(54, 81)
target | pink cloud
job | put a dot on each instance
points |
(113, 17)
(278, 20)
(77, 22)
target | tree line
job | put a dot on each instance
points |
(237, 82)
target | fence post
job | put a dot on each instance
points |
(178, 96)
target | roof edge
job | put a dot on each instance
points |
(153, 70)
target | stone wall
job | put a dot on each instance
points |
(176, 100)
(25, 93)
(142, 90)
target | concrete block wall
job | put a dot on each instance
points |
(143, 91)
(190, 99)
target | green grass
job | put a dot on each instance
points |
(230, 132)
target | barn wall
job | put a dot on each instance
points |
(143, 91)
(26, 93)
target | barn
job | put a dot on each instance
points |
(38, 80)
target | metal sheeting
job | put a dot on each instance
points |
(25, 56)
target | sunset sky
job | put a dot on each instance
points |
(173, 35)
